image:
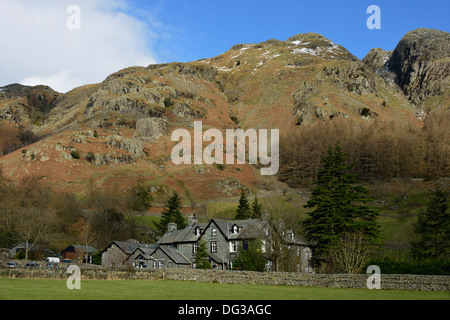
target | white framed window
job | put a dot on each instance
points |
(214, 232)
(213, 246)
(235, 229)
(194, 248)
(233, 246)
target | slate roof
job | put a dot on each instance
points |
(174, 254)
(169, 251)
(182, 236)
(88, 249)
(147, 251)
(248, 229)
(129, 246)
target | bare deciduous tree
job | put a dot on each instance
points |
(351, 253)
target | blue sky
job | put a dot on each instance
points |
(38, 47)
(204, 29)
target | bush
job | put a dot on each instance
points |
(75, 154)
(429, 267)
(90, 157)
(219, 166)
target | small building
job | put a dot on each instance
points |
(223, 238)
(158, 257)
(116, 253)
(35, 251)
(185, 240)
(79, 253)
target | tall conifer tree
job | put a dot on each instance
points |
(339, 206)
(433, 229)
(171, 214)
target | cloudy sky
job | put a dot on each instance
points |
(46, 42)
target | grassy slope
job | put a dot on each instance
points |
(33, 289)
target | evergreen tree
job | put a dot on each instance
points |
(433, 229)
(256, 209)
(250, 257)
(141, 198)
(243, 211)
(339, 206)
(201, 257)
(171, 214)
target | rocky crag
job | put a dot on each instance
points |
(121, 128)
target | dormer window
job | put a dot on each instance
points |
(235, 229)
(197, 231)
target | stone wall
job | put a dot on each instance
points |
(399, 282)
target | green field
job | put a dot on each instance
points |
(37, 289)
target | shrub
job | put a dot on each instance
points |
(389, 265)
(219, 166)
(90, 157)
(168, 102)
(75, 154)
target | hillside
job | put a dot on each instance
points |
(121, 127)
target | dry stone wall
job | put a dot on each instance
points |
(398, 282)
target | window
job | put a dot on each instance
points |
(194, 248)
(214, 232)
(213, 246)
(235, 229)
(197, 231)
(233, 246)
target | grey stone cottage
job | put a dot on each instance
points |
(116, 253)
(177, 248)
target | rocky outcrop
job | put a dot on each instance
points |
(152, 128)
(421, 62)
(230, 186)
(111, 158)
(378, 60)
(186, 110)
(133, 146)
(351, 77)
(22, 105)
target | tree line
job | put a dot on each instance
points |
(379, 150)
(344, 231)
(32, 213)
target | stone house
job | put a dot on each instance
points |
(158, 257)
(38, 251)
(78, 252)
(223, 238)
(185, 241)
(117, 252)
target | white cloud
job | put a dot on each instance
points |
(62, 81)
(38, 47)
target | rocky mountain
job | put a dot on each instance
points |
(116, 132)
(420, 65)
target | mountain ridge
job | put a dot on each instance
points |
(121, 127)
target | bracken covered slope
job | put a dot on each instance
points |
(121, 128)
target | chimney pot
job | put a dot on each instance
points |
(171, 227)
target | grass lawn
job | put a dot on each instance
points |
(37, 289)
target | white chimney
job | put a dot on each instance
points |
(171, 226)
